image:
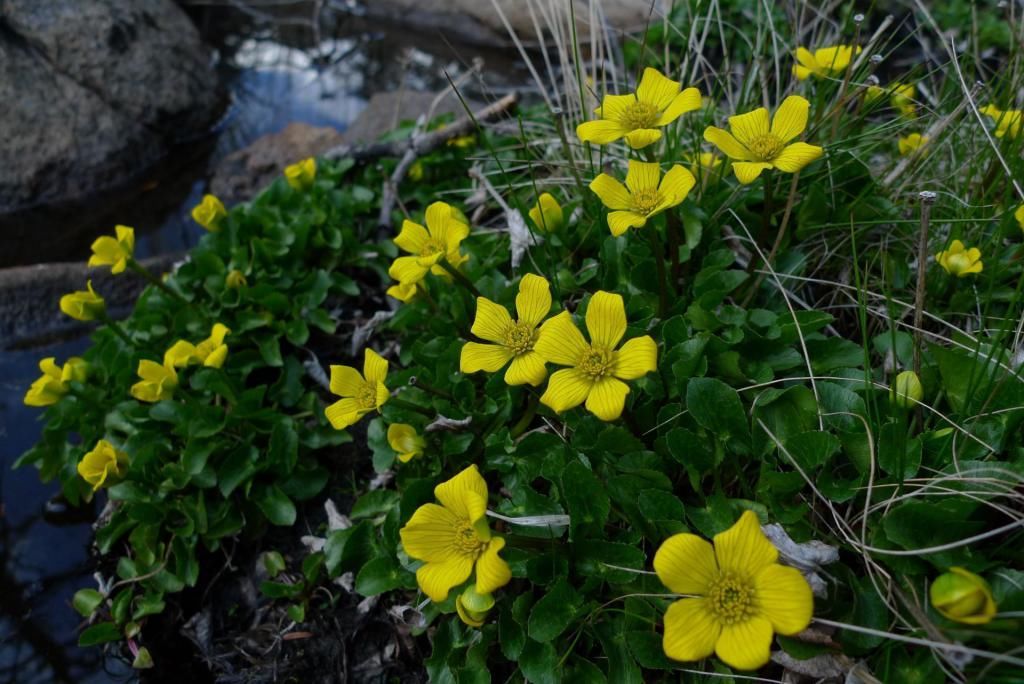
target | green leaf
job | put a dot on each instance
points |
(380, 575)
(539, 663)
(371, 504)
(100, 633)
(812, 450)
(554, 612)
(717, 407)
(85, 601)
(348, 549)
(585, 497)
(276, 505)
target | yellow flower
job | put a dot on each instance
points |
(301, 175)
(1006, 120)
(453, 539)
(54, 382)
(235, 279)
(114, 252)
(1019, 215)
(637, 117)
(547, 214)
(962, 596)
(513, 341)
(704, 164)
(754, 145)
(596, 370)
(959, 261)
(403, 438)
(911, 143)
(643, 196)
(472, 606)
(360, 393)
(445, 231)
(212, 351)
(902, 98)
(823, 62)
(83, 305)
(906, 390)
(403, 292)
(740, 596)
(416, 171)
(210, 213)
(158, 381)
(104, 462)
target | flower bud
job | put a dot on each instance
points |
(473, 607)
(235, 280)
(906, 390)
(209, 213)
(962, 596)
(547, 215)
(83, 305)
(301, 175)
(103, 464)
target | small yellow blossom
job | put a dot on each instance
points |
(301, 175)
(158, 381)
(1007, 120)
(360, 393)
(911, 143)
(823, 62)
(403, 292)
(644, 195)
(704, 163)
(901, 96)
(453, 539)
(959, 261)
(547, 214)
(513, 341)
(210, 213)
(102, 464)
(596, 370)
(406, 442)
(637, 117)
(416, 171)
(55, 381)
(114, 252)
(962, 596)
(211, 352)
(754, 145)
(235, 280)
(440, 240)
(472, 606)
(906, 390)
(83, 305)
(737, 596)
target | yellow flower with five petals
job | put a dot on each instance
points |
(737, 596)
(361, 393)
(823, 62)
(1007, 121)
(55, 381)
(645, 194)
(510, 340)
(211, 352)
(596, 369)
(84, 305)
(755, 145)
(114, 252)
(959, 261)
(157, 381)
(102, 464)
(440, 240)
(637, 117)
(453, 539)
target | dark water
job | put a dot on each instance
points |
(279, 68)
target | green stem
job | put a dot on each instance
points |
(674, 230)
(415, 381)
(659, 262)
(118, 330)
(524, 422)
(402, 403)
(460, 278)
(767, 207)
(153, 280)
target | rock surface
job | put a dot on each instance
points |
(93, 92)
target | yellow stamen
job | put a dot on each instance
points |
(731, 599)
(639, 115)
(646, 201)
(766, 147)
(595, 363)
(519, 338)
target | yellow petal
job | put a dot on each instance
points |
(642, 176)
(724, 141)
(403, 292)
(600, 132)
(431, 534)
(806, 59)
(743, 549)
(217, 357)
(691, 630)
(49, 367)
(687, 101)
(343, 413)
(606, 319)
(745, 645)
(446, 226)
(790, 118)
(465, 495)
(685, 563)
(640, 138)
(126, 236)
(383, 394)
(412, 238)
(407, 270)
(492, 573)
(437, 579)
(796, 156)
(533, 303)
(656, 89)
(483, 357)
(614, 106)
(636, 358)
(526, 369)
(748, 172)
(676, 184)
(492, 321)
(607, 398)
(613, 194)
(784, 597)
(567, 388)
(404, 440)
(346, 381)
(1019, 215)
(560, 341)
(801, 72)
(621, 221)
(375, 366)
(746, 127)
(547, 214)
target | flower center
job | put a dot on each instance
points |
(958, 263)
(466, 540)
(731, 599)
(645, 201)
(367, 397)
(520, 338)
(766, 147)
(640, 115)
(595, 363)
(431, 247)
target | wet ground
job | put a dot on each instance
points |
(279, 68)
